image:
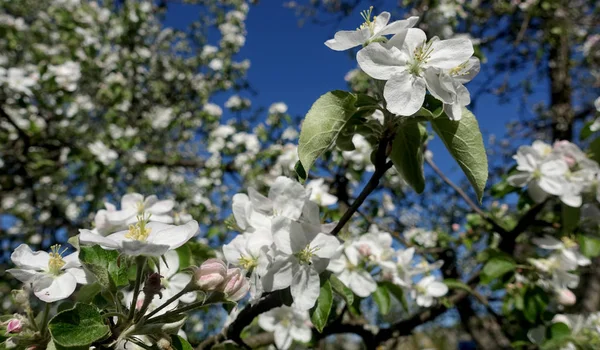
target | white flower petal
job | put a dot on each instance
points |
(305, 287)
(288, 197)
(50, 288)
(325, 245)
(447, 54)
(347, 39)
(380, 62)
(404, 93)
(398, 26)
(25, 258)
(288, 235)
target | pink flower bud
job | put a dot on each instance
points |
(455, 227)
(14, 326)
(236, 285)
(566, 297)
(211, 274)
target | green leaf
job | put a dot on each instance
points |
(456, 284)
(382, 298)
(595, 149)
(570, 218)
(407, 154)
(80, 326)
(320, 312)
(558, 330)
(340, 288)
(464, 141)
(496, 267)
(105, 265)
(397, 292)
(590, 246)
(88, 292)
(178, 343)
(322, 125)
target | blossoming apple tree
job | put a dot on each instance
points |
(312, 244)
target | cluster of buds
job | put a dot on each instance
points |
(214, 276)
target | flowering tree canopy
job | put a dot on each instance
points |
(137, 213)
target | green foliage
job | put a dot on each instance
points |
(178, 343)
(464, 141)
(320, 312)
(590, 246)
(341, 289)
(570, 218)
(496, 267)
(407, 154)
(382, 298)
(324, 122)
(109, 268)
(78, 327)
(397, 292)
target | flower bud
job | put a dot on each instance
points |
(211, 274)
(566, 297)
(14, 326)
(236, 285)
(21, 298)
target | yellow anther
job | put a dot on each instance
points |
(139, 231)
(247, 263)
(56, 262)
(568, 242)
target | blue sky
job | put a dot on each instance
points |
(291, 64)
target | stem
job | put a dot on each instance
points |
(380, 168)
(141, 264)
(45, 320)
(32, 319)
(112, 314)
(185, 290)
(188, 307)
(501, 230)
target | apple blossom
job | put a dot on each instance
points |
(51, 276)
(143, 237)
(287, 324)
(427, 289)
(410, 64)
(211, 274)
(370, 31)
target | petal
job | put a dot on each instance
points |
(547, 242)
(234, 250)
(87, 237)
(136, 248)
(554, 167)
(25, 276)
(71, 260)
(398, 26)
(404, 93)
(380, 22)
(415, 37)
(450, 53)
(536, 193)
(437, 289)
(347, 39)
(131, 200)
(175, 236)
(305, 287)
(288, 197)
(283, 338)
(50, 288)
(553, 184)
(362, 283)
(239, 204)
(288, 235)
(469, 71)
(25, 258)
(267, 321)
(280, 274)
(172, 264)
(80, 275)
(453, 111)
(325, 245)
(519, 180)
(259, 202)
(161, 207)
(380, 62)
(301, 333)
(440, 85)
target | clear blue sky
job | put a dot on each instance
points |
(291, 64)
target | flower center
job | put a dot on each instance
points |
(459, 70)
(306, 254)
(139, 231)
(420, 57)
(568, 242)
(247, 263)
(366, 15)
(56, 262)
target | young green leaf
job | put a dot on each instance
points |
(496, 267)
(341, 289)
(320, 312)
(105, 265)
(178, 343)
(407, 154)
(79, 326)
(464, 141)
(382, 299)
(322, 125)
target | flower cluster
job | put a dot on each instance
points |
(283, 243)
(562, 170)
(370, 257)
(411, 65)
